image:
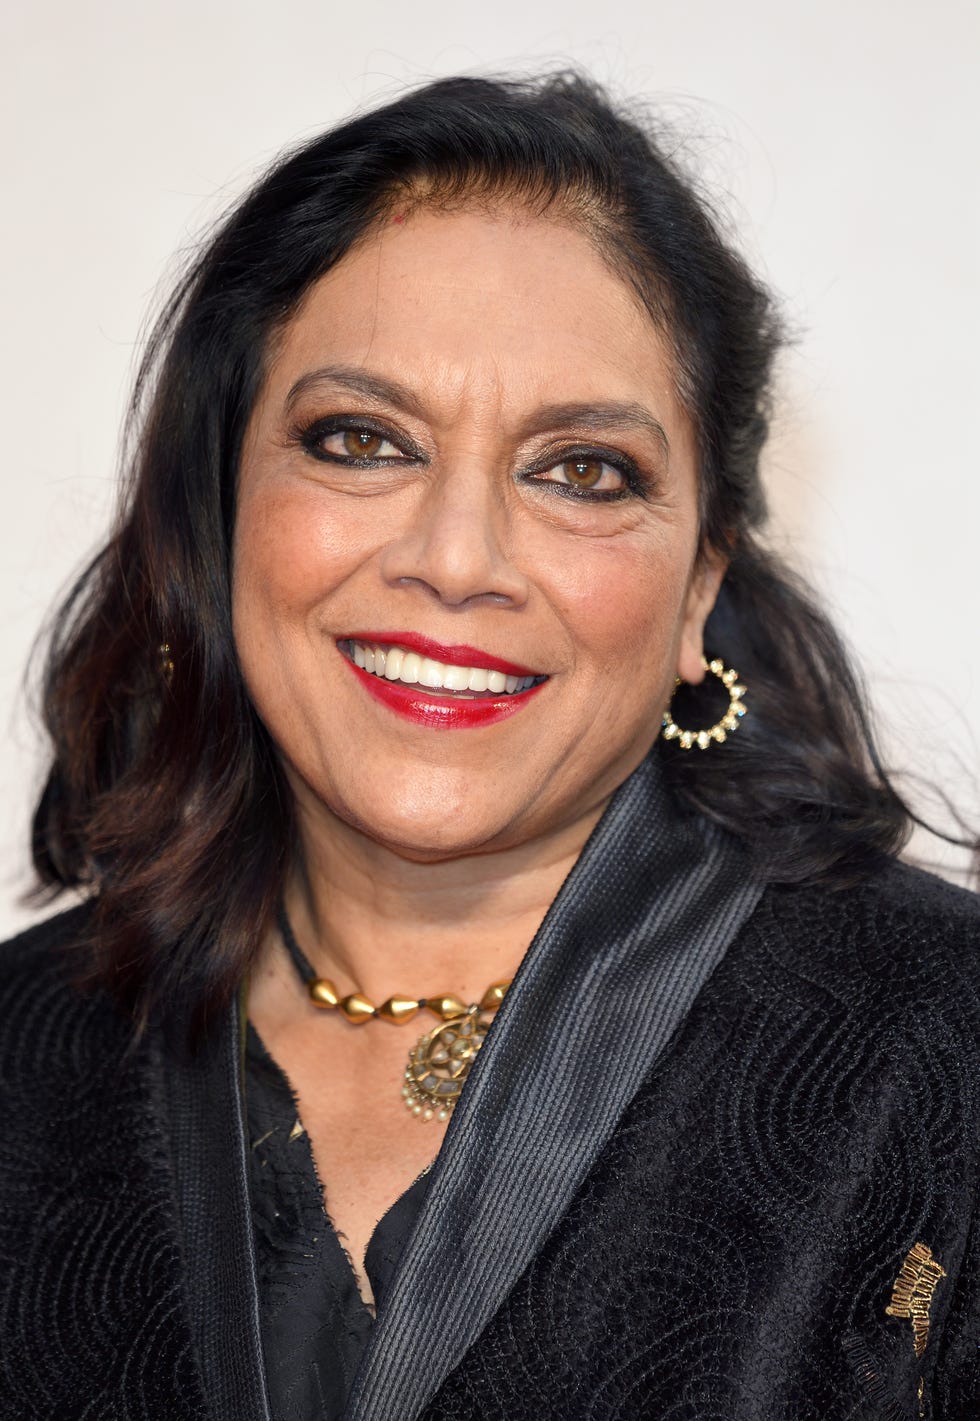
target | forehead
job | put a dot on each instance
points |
(505, 307)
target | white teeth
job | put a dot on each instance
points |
(430, 673)
(456, 678)
(396, 664)
(411, 666)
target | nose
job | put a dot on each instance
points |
(456, 544)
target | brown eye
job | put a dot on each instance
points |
(583, 473)
(586, 475)
(341, 441)
(362, 443)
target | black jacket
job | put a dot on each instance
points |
(708, 1130)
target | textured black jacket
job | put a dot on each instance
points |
(715, 1133)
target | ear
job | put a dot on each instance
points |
(706, 578)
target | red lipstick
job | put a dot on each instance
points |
(440, 710)
(458, 655)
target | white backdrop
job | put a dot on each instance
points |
(841, 136)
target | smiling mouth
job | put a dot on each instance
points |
(438, 678)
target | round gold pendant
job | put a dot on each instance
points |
(439, 1063)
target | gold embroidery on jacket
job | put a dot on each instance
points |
(913, 1290)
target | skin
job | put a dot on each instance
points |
(428, 858)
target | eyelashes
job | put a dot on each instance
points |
(312, 436)
(582, 469)
(362, 442)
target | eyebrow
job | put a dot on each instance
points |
(608, 414)
(359, 382)
(584, 414)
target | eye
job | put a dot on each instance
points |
(354, 442)
(586, 474)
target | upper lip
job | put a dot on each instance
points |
(456, 655)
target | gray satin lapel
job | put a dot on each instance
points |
(203, 1101)
(640, 923)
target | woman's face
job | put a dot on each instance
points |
(468, 456)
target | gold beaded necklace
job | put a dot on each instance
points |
(441, 1060)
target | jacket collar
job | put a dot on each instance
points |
(203, 1104)
(640, 923)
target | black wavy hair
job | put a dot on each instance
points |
(165, 793)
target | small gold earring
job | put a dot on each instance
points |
(166, 661)
(721, 729)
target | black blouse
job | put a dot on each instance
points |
(314, 1322)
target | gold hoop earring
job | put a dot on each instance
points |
(166, 661)
(722, 728)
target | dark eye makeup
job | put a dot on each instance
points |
(582, 464)
(311, 437)
(580, 461)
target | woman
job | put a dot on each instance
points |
(410, 672)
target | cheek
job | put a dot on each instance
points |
(290, 550)
(622, 602)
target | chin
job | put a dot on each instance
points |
(428, 841)
(442, 822)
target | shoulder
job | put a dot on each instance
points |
(43, 953)
(901, 942)
(897, 909)
(48, 1021)
(35, 943)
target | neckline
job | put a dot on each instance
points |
(379, 1266)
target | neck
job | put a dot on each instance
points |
(376, 922)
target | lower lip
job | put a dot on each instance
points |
(441, 712)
